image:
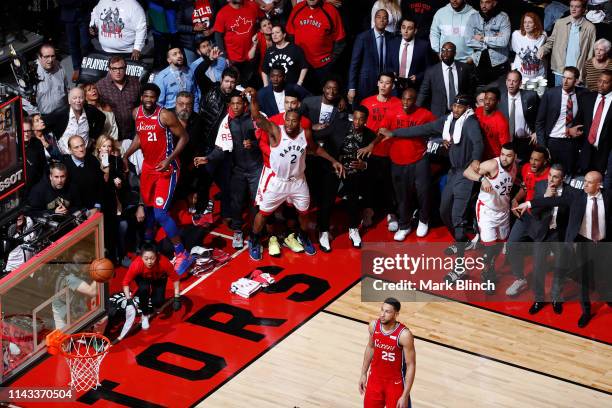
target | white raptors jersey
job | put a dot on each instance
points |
(499, 198)
(288, 159)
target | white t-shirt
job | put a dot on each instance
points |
(526, 60)
(326, 113)
(280, 101)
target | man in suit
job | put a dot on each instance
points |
(408, 56)
(595, 115)
(323, 109)
(370, 58)
(85, 174)
(78, 118)
(444, 81)
(271, 98)
(589, 222)
(520, 107)
(555, 120)
(547, 227)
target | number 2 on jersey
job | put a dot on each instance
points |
(293, 158)
(151, 137)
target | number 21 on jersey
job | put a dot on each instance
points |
(151, 137)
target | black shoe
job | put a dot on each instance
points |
(536, 307)
(557, 307)
(451, 250)
(453, 276)
(584, 319)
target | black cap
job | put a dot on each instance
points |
(463, 100)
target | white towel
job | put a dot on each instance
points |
(456, 136)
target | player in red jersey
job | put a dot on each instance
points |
(155, 128)
(391, 360)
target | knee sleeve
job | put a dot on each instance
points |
(167, 223)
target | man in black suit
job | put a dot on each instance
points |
(555, 121)
(271, 98)
(323, 109)
(444, 81)
(77, 118)
(589, 222)
(520, 107)
(85, 174)
(370, 58)
(595, 115)
(408, 56)
(547, 227)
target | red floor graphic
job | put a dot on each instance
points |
(186, 356)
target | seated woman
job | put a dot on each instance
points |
(92, 96)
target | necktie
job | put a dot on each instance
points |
(451, 129)
(452, 92)
(595, 221)
(381, 56)
(403, 62)
(569, 111)
(597, 120)
(512, 118)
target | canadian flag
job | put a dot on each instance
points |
(242, 26)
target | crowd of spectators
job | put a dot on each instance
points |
(537, 75)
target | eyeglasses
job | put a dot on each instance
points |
(117, 69)
(447, 50)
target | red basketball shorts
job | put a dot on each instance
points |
(382, 393)
(157, 188)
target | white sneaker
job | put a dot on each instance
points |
(422, 229)
(517, 287)
(144, 322)
(401, 235)
(355, 237)
(392, 223)
(324, 241)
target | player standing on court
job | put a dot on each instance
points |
(391, 360)
(155, 128)
(493, 206)
(287, 182)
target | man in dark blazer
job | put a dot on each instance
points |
(546, 227)
(366, 62)
(555, 123)
(267, 96)
(436, 93)
(58, 121)
(589, 222)
(524, 114)
(323, 109)
(408, 56)
(597, 142)
(85, 174)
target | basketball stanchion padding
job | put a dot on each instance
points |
(101, 270)
(83, 352)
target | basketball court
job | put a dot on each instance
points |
(300, 343)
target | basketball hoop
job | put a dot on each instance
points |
(84, 353)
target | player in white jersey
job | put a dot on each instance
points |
(289, 145)
(493, 206)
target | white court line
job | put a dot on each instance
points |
(205, 276)
(221, 235)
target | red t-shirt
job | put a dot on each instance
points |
(530, 179)
(239, 26)
(377, 118)
(495, 132)
(316, 30)
(161, 268)
(407, 151)
(202, 13)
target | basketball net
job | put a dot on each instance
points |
(84, 353)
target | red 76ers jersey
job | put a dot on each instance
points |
(155, 139)
(388, 360)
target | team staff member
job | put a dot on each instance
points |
(151, 271)
(410, 165)
(380, 106)
(390, 358)
(461, 133)
(317, 28)
(155, 131)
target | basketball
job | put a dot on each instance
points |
(101, 270)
